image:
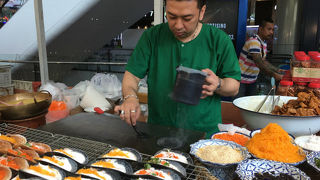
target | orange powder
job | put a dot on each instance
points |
(237, 138)
(274, 143)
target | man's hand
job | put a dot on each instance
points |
(211, 83)
(129, 110)
(277, 76)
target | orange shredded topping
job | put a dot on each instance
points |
(2, 173)
(150, 172)
(40, 170)
(63, 152)
(104, 164)
(237, 138)
(9, 163)
(90, 171)
(20, 154)
(52, 159)
(73, 178)
(274, 143)
(37, 147)
(116, 152)
(6, 138)
(168, 154)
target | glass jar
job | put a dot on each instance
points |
(315, 61)
(285, 88)
(302, 61)
(300, 87)
(315, 88)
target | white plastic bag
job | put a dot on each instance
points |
(92, 98)
(55, 89)
(108, 85)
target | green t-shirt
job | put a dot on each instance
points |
(157, 55)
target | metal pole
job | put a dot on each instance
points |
(38, 11)
(158, 12)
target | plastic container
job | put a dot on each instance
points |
(285, 88)
(315, 60)
(300, 87)
(57, 111)
(5, 76)
(315, 88)
(302, 61)
(299, 53)
(188, 86)
(312, 53)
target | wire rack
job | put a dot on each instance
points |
(93, 149)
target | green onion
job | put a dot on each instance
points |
(147, 166)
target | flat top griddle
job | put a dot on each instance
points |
(111, 130)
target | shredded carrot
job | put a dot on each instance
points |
(9, 163)
(237, 138)
(274, 143)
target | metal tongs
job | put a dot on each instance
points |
(274, 101)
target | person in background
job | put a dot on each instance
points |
(185, 41)
(252, 60)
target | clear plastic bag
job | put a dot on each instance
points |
(108, 85)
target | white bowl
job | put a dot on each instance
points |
(207, 142)
(294, 125)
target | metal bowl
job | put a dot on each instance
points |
(294, 125)
(33, 104)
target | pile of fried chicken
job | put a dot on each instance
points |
(307, 104)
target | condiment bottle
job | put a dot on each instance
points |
(285, 88)
(315, 88)
(300, 87)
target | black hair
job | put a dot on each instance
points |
(265, 21)
(201, 3)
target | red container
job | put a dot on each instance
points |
(312, 53)
(315, 88)
(315, 61)
(299, 53)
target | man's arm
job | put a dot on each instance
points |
(265, 66)
(130, 105)
(228, 86)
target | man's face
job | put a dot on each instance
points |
(183, 17)
(267, 31)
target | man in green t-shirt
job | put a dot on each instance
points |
(185, 41)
